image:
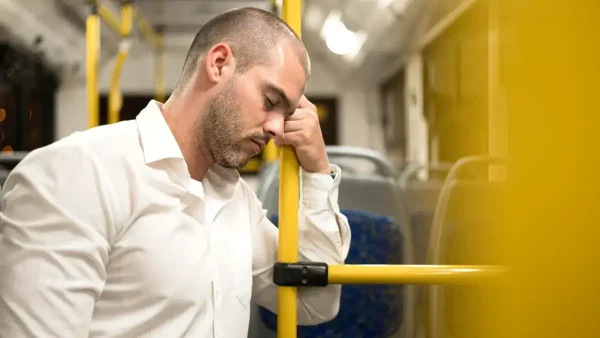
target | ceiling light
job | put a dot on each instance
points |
(339, 39)
(384, 3)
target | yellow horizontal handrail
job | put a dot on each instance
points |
(413, 274)
(146, 29)
(114, 22)
(109, 17)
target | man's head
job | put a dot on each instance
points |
(252, 70)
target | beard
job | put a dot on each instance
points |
(220, 131)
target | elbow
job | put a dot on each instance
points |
(321, 307)
(326, 314)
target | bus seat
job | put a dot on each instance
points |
(373, 194)
(360, 193)
(365, 310)
(465, 230)
(420, 201)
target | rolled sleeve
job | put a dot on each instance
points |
(324, 230)
(324, 236)
(321, 190)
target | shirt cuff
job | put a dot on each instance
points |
(321, 190)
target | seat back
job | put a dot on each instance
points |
(373, 203)
(373, 194)
(365, 310)
(377, 180)
(420, 201)
(470, 219)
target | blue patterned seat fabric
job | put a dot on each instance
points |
(371, 311)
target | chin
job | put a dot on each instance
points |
(234, 164)
(233, 159)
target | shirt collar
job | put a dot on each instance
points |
(158, 143)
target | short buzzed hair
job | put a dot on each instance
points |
(251, 33)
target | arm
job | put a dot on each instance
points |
(55, 229)
(324, 236)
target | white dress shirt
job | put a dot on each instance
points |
(105, 234)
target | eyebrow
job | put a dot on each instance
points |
(287, 103)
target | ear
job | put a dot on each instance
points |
(219, 62)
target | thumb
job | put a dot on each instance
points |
(281, 140)
(278, 140)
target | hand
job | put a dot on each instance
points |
(303, 131)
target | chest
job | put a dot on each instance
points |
(185, 250)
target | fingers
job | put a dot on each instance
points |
(293, 138)
(303, 113)
(291, 126)
(299, 131)
(304, 120)
(300, 127)
(304, 103)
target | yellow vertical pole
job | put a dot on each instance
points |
(270, 152)
(289, 192)
(160, 89)
(115, 99)
(92, 53)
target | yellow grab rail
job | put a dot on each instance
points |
(123, 26)
(92, 51)
(146, 29)
(160, 87)
(289, 191)
(111, 19)
(115, 99)
(142, 23)
(270, 152)
(412, 274)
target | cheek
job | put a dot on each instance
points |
(251, 106)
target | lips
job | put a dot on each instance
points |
(258, 146)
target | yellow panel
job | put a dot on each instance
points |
(549, 72)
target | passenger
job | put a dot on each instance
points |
(145, 229)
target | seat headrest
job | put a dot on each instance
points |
(373, 194)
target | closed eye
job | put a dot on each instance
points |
(268, 104)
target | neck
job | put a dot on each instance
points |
(180, 113)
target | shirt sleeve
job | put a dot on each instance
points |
(55, 227)
(324, 236)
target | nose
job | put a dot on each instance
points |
(274, 125)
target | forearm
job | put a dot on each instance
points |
(324, 236)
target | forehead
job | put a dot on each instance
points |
(285, 72)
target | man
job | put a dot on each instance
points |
(144, 228)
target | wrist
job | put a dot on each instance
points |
(320, 169)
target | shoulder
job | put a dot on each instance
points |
(109, 141)
(104, 144)
(84, 153)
